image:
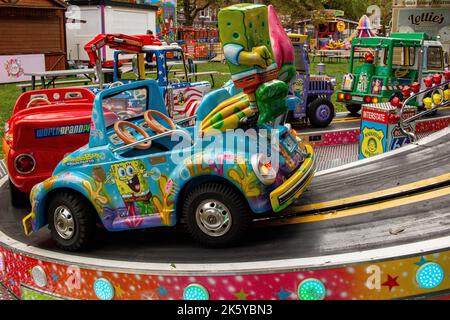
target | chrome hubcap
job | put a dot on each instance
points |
(64, 223)
(213, 218)
(323, 112)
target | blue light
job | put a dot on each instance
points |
(195, 292)
(311, 289)
(430, 275)
(103, 289)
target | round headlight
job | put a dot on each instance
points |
(24, 164)
(263, 169)
(333, 82)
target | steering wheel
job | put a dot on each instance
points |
(38, 100)
(116, 84)
(128, 138)
(174, 81)
(123, 115)
(140, 95)
(401, 72)
(155, 125)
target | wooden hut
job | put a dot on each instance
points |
(34, 27)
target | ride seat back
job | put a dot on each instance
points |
(56, 96)
(211, 101)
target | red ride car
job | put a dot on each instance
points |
(45, 126)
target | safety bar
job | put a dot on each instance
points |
(158, 136)
(402, 122)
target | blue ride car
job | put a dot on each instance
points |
(142, 170)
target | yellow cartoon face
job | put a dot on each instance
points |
(372, 146)
(130, 179)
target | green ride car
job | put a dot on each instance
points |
(389, 64)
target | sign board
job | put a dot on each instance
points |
(13, 68)
(340, 26)
(433, 21)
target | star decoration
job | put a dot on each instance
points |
(241, 295)
(162, 291)
(283, 294)
(55, 277)
(119, 291)
(421, 262)
(391, 282)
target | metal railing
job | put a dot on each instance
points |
(403, 122)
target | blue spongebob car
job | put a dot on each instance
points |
(141, 170)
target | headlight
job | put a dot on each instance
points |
(333, 82)
(263, 169)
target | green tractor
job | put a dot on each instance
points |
(389, 64)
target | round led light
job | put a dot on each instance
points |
(39, 276)
(2, 262)
(103, 289)
(195, 292)
(311, 289)
(430, 275)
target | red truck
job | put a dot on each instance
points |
(45, 126)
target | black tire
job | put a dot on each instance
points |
(83, 217)
(234, 202)
(313, 109)
(353, 108)
(19, 199)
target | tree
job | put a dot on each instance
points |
(353, 9)
(190, 9)
(290, 11)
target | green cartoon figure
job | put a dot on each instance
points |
(130, 178)
(244, 33)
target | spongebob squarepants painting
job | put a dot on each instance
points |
(130, 177)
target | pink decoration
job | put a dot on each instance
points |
(364, 28)
(281, 44)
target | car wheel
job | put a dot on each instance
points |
(71, 221)
(353, 108)
(215, 215)
(19, 199)
(321, 112)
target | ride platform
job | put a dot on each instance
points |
(371, 229)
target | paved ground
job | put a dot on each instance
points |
(5, 294)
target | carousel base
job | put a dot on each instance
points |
(372, 229)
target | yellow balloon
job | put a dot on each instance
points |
(447, 95)
(437, 98)
(428, 103)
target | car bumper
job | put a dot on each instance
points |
(27, 224)
(291, 190)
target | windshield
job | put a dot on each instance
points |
(403, 57)
(434, 58)
(125, 105)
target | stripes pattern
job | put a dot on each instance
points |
(391, 88)
(3, 171)
(191, 101)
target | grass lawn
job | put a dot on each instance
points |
(9, 92)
